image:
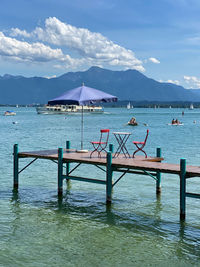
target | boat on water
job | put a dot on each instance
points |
(128, 105)
(175, 124)
(191, 107)
(68, 109)
(9, 113)
(133, 122)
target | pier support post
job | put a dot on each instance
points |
(60, 171)
(111, 148)
(15, 166)
(182, 188)
(109, 178)
(158, 174)
(67, 164)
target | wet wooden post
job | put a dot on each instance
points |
(158, 174)
(15, 166)
(67, 164)
(182, 188)
(60, 171)
(111, 148)
(109, 177)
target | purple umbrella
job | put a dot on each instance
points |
(82, 96)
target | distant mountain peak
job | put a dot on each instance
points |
(96, 69)
(9, 76)
(130, 85)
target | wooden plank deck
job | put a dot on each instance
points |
(137, 163)
(152, 166)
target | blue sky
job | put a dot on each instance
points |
(160, 38)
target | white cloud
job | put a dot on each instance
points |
(195, 40)
(21, 51)
(17, 32)
(50, 77)
(170, 81)
(173, 81)
(154, 60)
(91, 47)
(192, 81)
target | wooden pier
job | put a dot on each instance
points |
(152, 166)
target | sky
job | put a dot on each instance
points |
(47, 38)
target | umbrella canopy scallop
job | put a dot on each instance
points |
(82, 95)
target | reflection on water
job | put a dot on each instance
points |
(78, 229)
(177, 240)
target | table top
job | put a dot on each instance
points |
(122, 133)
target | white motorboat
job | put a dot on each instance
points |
(9, 113)
(68, 109)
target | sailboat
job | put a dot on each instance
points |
(129, 105)
(191, 106)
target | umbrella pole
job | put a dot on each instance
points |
(82, 129)
(82, 150)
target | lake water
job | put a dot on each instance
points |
(36, 229)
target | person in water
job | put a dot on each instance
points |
(177, 121)
(133, 121)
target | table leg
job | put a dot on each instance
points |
(124, 149)
(121, 141)
(119, 147)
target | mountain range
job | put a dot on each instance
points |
(130, 85)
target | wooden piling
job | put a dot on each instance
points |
(182, 188)
(111, 148)
(15, 167)
(60, 171)
(109, 177)
(68, 164)
(158, 174)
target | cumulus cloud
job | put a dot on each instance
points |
(50, 77)
(170, 81)
(36, 52)
(17, 32)
(93, 48)
(154, 60)
(173, 81)
(192, 81)
(194, 40)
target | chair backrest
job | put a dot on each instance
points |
(104, 130)
(104, 135)
(146, 136)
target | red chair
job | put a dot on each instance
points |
(101, 145)
(141, 145)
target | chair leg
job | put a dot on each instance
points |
(98, 149)
(140, 149)
(135, 152)
(92, 153)
(103, 149)
(95, 149)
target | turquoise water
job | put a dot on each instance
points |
(36, 229)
